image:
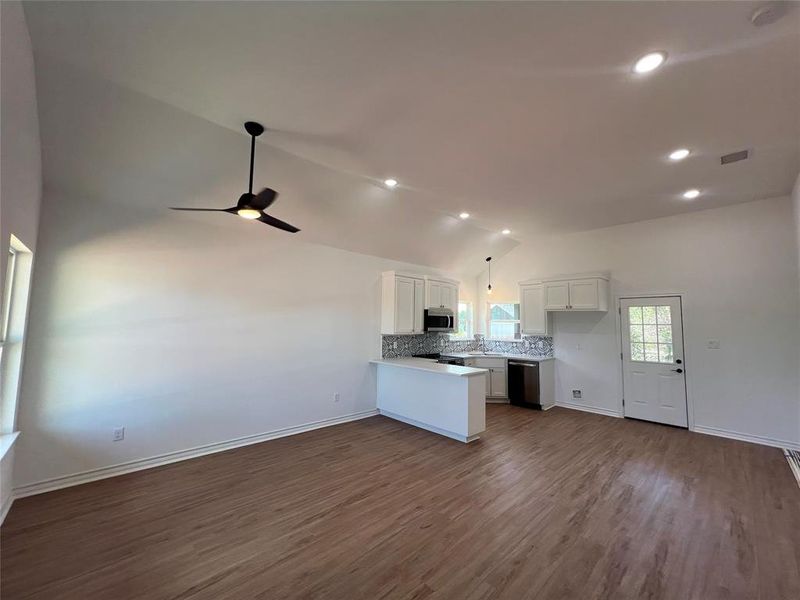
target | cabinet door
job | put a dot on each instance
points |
(533, 316)
(583, 294)
(556, 295)
(419, 306)
(404, 313)
(498, 377)
(446, 296)
(434, 295)
(488, 383)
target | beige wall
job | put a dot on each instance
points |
(187, 330)
(20, 169)
(738, 270)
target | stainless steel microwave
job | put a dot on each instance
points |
(439, 319)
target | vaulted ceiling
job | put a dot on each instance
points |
(525, 115)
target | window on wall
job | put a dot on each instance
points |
(503, 322)
(465, 318)
(12, 329)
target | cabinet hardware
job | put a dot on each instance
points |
(677, 370)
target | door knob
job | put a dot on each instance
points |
(677, 370)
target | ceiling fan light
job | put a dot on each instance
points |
(248, 213)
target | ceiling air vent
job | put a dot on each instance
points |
(734, 157)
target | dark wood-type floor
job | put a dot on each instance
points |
(560, 504)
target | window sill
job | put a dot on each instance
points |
(6, 442)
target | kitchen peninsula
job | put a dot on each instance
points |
(445, 399)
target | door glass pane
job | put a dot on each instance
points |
(650, 329)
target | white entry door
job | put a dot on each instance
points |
(653, 377)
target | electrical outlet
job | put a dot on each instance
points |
(119, 434)
(394, 345)
(577, 394)
(336, 397)
(713, 344)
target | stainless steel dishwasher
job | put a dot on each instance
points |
(524, 388)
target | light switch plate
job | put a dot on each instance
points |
(713, 344)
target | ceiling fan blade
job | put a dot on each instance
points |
(264, 199)
(265, 218)
(227, 210)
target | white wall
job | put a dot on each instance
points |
(738, 269)
(796, 205)
(20, 170)
(186, 330)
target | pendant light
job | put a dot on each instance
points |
(489, 261)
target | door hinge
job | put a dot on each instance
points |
(619, 310)
(620, 356)
(623, 402)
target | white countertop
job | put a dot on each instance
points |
(429, 365)
(498, 355)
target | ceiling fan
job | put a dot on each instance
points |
(252, 206)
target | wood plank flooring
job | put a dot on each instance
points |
(561, 504)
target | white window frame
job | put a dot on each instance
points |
(13, 322)
(489, 321)
(471, 329)
(8, 294)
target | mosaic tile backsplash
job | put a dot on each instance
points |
(428, 343)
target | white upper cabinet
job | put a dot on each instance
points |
(533, 316)
(404, 298)
(434, 295)
(442, 294)
(585, 292)
(556, 295)
(402, 304)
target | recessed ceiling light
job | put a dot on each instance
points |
(691, 194)
(650, 62)
(464, 215)
(390, 183)
(505, 231)
(679, 154)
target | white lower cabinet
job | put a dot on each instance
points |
(496, 382)
(498, 379)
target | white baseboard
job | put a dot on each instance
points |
(451, 434)
(592, 409)
(6, 507)
(745, 437)
(57, 483)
